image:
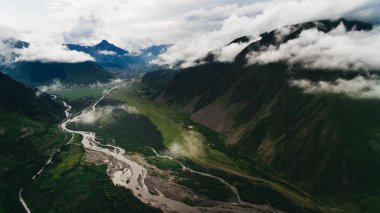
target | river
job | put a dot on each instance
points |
(133, 175)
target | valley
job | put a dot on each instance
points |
(190, 106)
(136, 183)
(212, 167)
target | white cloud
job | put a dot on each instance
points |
(53, 87)
(104, 114)
(228, 53)
(338, 49)
(106, 52)
(358, 87)
(257, 18)
(194, 26)
(51, 53)
(6, 53)
(274, 15)
(101, 114)
(190, 145)
(41, 49)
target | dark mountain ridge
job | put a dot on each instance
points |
(18, 98)
(37, 73)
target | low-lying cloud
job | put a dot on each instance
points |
(190, 146)
(51, 53)
(101, 114)
(256, 18)
(338, 49)
(229, 52)
(359, 87)
(53, 87)
(50, 50)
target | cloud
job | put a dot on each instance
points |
(257, 18)
(7, 53)
(51, 52)
(53, 87)
(40, 49)
(86, 27)
(229, 52)
(195, 27)
(190, 146)
(106, 52)
(359, 87)
(101, 114)
(104, 114)
(338, 49)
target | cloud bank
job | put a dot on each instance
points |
(358, 87)
(338, 49)
(195, 27)
(49, 50)
(256, 18)
(51, 53)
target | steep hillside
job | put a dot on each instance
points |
(17, 98)
(326, 143)
(37, 73)
(28, 136)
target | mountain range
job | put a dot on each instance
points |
(110, 56)
(39, 73)
(325, 143)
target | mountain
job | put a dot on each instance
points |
(28, 136)
(111, 56)
(270, 38)
(98, 48)
(37, 73)
(327, 144)
(18, 98)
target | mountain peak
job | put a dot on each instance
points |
(105, 45)
(104, 42)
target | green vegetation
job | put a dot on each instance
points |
(21, 159)
(164, 163)
(131, 131)
(72, 185)
(171, 124)
(15, 97)
(210, 187)
(163, 118)
(75, 92)
(327, 145)
(38, 73)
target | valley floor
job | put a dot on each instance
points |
(185, 162)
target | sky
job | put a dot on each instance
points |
(193, 27)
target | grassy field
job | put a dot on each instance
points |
(21, 159)
(172, 127)
(75, 93)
